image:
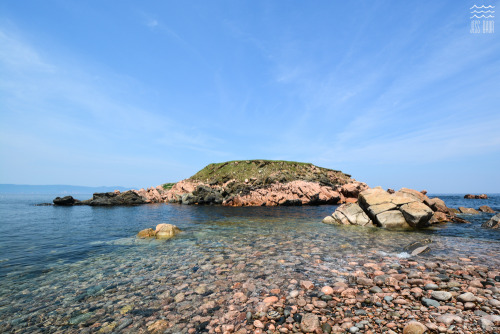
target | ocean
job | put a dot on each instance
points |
(76, 269)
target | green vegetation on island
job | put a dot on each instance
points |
(263, 172)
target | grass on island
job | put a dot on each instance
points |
(168, 186)
(260, 170)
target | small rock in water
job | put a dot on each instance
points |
(327, 290)
(326, 328)
(308, 285)
(353, 329)
(420, 250)
(309, 323)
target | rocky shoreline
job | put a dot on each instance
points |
(406, 208)
(279, 286)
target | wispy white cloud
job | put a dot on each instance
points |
(75, 115)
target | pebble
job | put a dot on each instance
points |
(431, 286)
(308, 285)
(494, 303)
(353, 329)
(448, 319)
(309, 323)
(258, 324)
(326, 328)
(327, 290)
(469, 306)
(441, 295)
(466, 297)
(414, 327)
(430, 302)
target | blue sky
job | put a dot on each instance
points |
(396, 93)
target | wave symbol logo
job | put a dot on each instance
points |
(482, 12)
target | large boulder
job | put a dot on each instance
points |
(494, 222)
(405, 208)
(166, 231)
(439, 217)
(412, 193)
(416, 214)
(391, 219)
(436, 204)
(350, 214)
(487, 209)
(352, 190)
(377, 196)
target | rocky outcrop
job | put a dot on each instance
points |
(115, 198)
(486, 209)
(494, 222)
(406, 208)
(130, 197)
(469, 211)
(162, 231)
(470, 196)
(292, 193)
(66, 201)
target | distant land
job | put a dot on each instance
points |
(54, 189)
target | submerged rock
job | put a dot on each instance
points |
(166, 231)
(146, 233)
(162, 231)
(494, 222)
(469, 211)
(418, 247)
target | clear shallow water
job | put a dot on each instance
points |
(52, 259)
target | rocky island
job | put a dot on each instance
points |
(242, 183)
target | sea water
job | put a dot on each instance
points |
(61, 268)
